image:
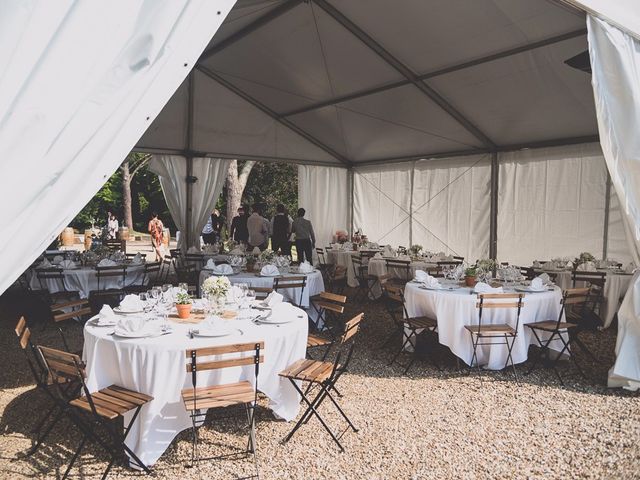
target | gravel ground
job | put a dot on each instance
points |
(428, 424)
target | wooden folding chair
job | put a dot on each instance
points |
(403, 267)
(115, 245)
(55, 275)
(95, 409)
(324, 375)
(406, 327)
(495, 333)
(75, 310)
(188, 274)
(574, 302)
(168, 262)
(293, 283)
(195, 259)
(44, 383)
(198, 399)
(149, 277)
(327, 306)
(262, 292)
(133, 255)
(118, 273)
(366, 282)
(337, 278)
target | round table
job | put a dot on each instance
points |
(378, 267)
(315, 284)
(453, 309)
(616, 285)
(84, 280)
(156, 367)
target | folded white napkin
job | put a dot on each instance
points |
(137, 260)
(237, 251)
(404, 257)
(421, 276)
(256, 251)
(544, 278)
(537, 285)
(569, 264)
(105, 262)
(269, 271)
(548, 266)
(377, 255)
(211, 264)
(131, 303)
(68, 264)
(130, 324)
(280, 311)
(586, 267)
(45, 264)
(305, 267)
(223, 269)
(536, 264)
(107, 316)
(274, 298)
(193, 250)
(57, 259)
(482, 287)
(388, 251)
(630, 268)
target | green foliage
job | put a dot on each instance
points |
(147, 197)
(108, 198)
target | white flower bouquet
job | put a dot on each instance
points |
(216, 286)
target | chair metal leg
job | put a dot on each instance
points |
(75, 456)
(509, 356)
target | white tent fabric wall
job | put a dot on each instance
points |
(172, 172)
(551, 203)
(80, 83)
(615, 61)
(452, 205)
(324, 193)
(382, 203)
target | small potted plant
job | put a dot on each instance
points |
(183, 304)
(250, 261)
(470, 274)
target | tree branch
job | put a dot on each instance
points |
(244, 175)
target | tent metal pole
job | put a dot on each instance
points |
(607, 207)
(189, 179)
(493, 223)
(405, 71)
(436, 73)
(352, 174)
(413, 173)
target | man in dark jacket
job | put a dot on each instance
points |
(239, 231)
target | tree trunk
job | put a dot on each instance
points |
(126, 196)
(235, 187)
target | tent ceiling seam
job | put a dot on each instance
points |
(293, 127)
(405, 71)
(443, 71)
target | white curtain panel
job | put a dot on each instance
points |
(324, 193)
(172, 173)
(452, 206)
(615, 61)
(382, 203)
(551, 203)
(80, 83)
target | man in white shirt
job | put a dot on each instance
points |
(258, 229)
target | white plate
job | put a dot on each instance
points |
(529, 290)
(426, 287)
(271, 321)
(126, 312)
(141, 334)
(211, 333)
(94, 322)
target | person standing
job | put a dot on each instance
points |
(280, 231)
(208, 235)
(305, 238)
(258, 229)
(156, 229)
(239, 231)
(112, 226)
(216, 223)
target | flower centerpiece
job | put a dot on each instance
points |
(415, 250)
(584, 257)
(341, 236)
(216, 288)
(470, 275)
(183, 304)
(267, 256)
(250, 261)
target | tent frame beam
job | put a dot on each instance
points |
(559, 142)
(262, 107)
(250, 28)
(493, 220)
(405, 71)
(189, 160)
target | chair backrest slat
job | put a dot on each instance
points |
(351, 328)
(224, 349)
(62, 364)
(334, 297)
(233, 362)
(334, 307)
(21, 326)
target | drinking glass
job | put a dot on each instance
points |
(251, 296)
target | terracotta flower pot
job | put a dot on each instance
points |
(470, 281)
(184, 310)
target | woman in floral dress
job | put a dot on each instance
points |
(156, 229)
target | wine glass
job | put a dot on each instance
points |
(251, 296)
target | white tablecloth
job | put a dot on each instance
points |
(156, 367)
(343, 258)
(615, 286)
(455, 309)
(315, 284)
(84, 280)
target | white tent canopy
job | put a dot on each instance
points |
(431, 111)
